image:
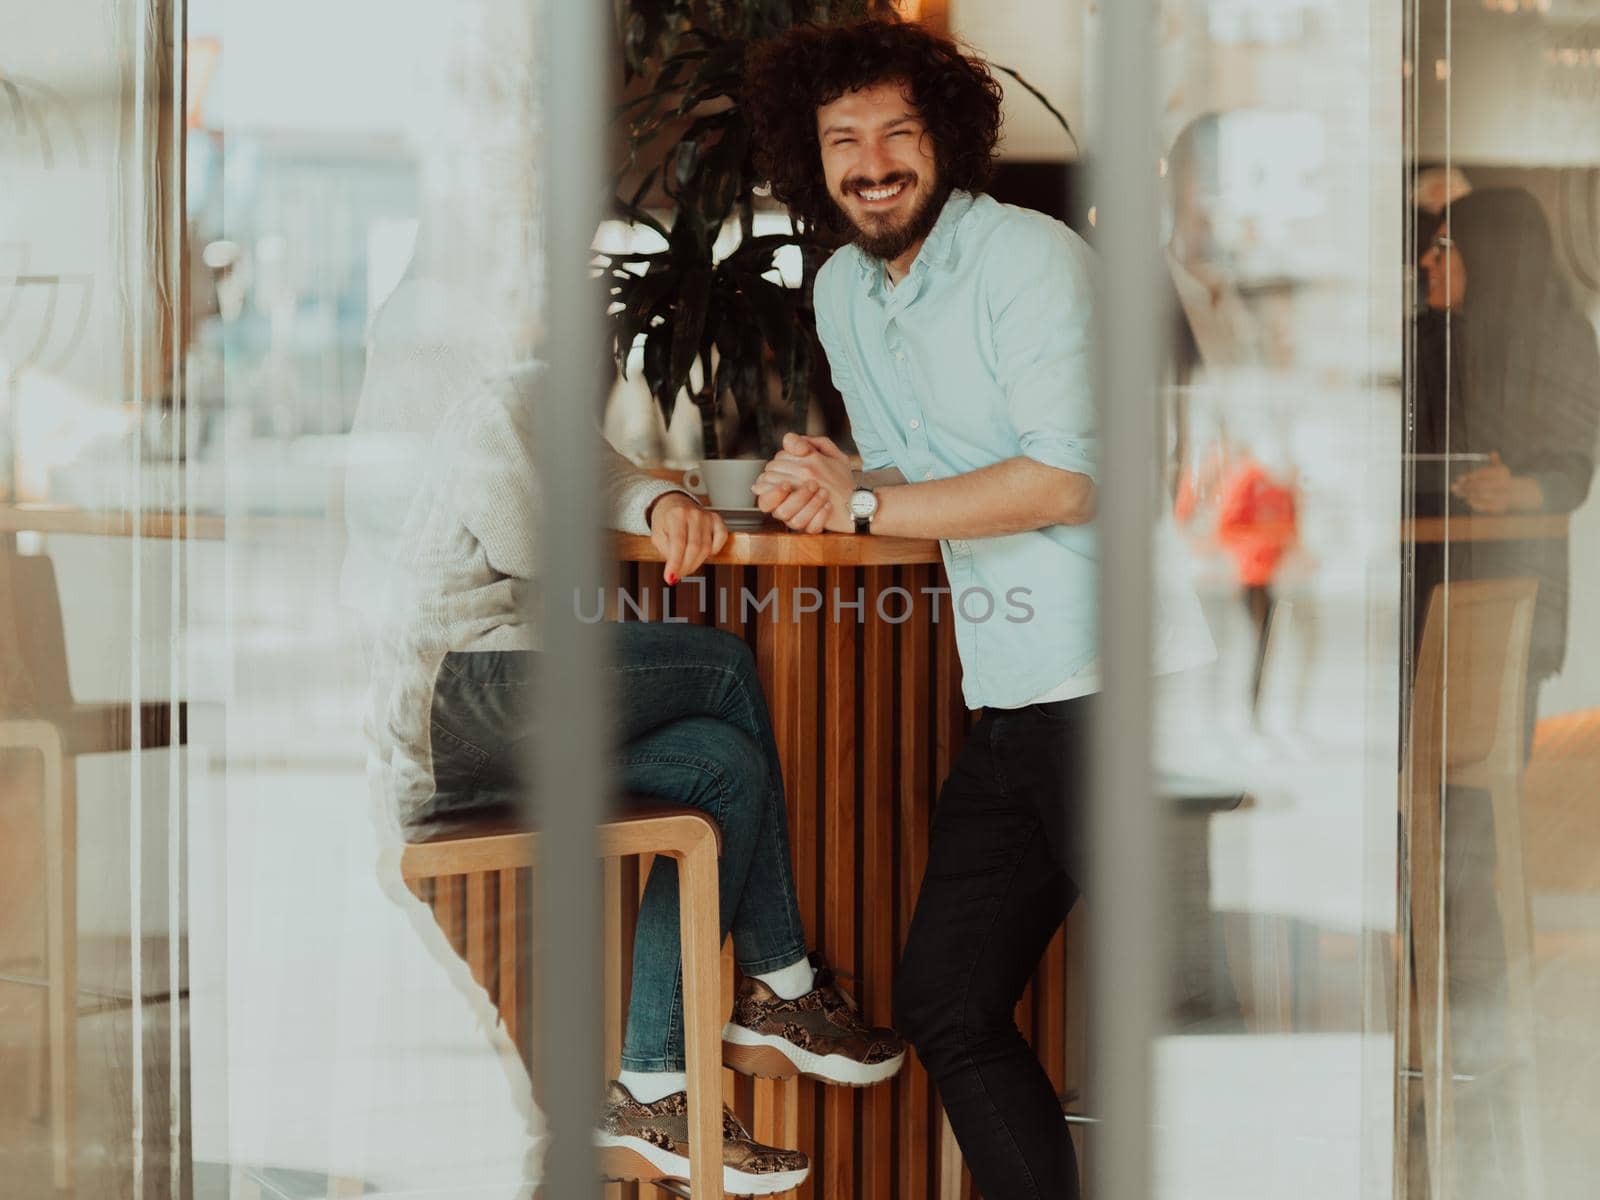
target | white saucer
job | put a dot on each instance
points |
(741, 518)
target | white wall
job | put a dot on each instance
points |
(1578, 685)
(1509, 103)
(58, 213)
(1045, 44)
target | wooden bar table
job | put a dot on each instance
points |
(855, 643)
(1513, 527)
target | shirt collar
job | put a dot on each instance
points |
(936, 247)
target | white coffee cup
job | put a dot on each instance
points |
(725, 482)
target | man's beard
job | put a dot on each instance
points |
(889, 243)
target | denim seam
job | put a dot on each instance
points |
(797, 934)
(750, 710)
(775, 962)
(997, 758)
(657, 757)
(675, 1012)
(966, 991)
(675, 1009)
(482, 683)
(750, 713)
(752, 720)
(653, 1064)
(1065, 721)
(481, 755)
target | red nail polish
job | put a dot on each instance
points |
(671, 579)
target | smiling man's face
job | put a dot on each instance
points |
(878, 162)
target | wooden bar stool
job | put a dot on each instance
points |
(1467, 731)
(689, 837)
(38, 715)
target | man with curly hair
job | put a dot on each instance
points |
(958, 331)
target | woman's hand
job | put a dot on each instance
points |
(1494, 490)
(685, 533)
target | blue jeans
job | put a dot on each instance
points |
(691, 729)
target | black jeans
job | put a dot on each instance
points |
(1003, 858)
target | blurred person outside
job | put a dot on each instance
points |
(1507, 366)
(1507, 370)
(1256, 527)
(957, 330)
(1229, 501)
(1236, 491)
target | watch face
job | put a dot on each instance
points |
(862, 505)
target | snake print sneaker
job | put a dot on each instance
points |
(649, 1143)
(821, 1035)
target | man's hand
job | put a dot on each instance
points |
(685, 533)
(1494, 490)
(808, 485)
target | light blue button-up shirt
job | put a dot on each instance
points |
(980, 354)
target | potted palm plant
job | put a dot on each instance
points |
(720, 322)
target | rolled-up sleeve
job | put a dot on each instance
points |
(1040, 290)
(874, 455)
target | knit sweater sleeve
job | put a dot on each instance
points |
(495, 488)
(630, 492)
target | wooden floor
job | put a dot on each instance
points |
(107, 1160)
(1561, 819)
(1561, 827)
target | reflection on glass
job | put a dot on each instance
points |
(268, 386)
(1506, 408)
(1284, 422)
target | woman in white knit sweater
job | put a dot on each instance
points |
(444, 518)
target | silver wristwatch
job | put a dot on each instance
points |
(863, 507)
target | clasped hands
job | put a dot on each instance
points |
(1494, 490)
(807, 485)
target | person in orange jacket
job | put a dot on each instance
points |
(1256, 526)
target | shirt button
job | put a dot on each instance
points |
(916, 424)
(899, 356)
(927, 474)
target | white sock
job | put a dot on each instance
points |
(791, 982)
(649, 1086)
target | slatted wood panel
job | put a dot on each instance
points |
(868, 717)
(875, 887)
(917, 720)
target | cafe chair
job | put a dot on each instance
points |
(483, 861)
(1466, 730)
(45, 720)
